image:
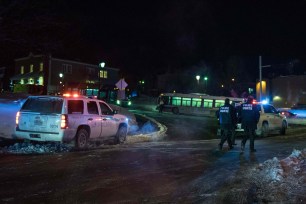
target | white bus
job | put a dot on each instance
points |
(195, 103)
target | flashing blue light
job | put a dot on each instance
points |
(265, 102)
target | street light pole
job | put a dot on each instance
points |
(101, 65)
(260, 77)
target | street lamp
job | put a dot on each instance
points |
(101, 66)
(61, 75)
(198, 78)
(205, 79)
(260, 77)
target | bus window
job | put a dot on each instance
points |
(208, 103)
(219, 103)
(176, 101)
(186, 101)
(196, 102)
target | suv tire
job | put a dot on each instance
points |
(121, 135)
(81, 140)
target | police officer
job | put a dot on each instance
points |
(249, 114)
(227, 119)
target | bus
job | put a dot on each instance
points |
(195, 103)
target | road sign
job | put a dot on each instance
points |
(121, 84)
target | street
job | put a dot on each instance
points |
(185, 167)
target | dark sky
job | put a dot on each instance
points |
(144, 37)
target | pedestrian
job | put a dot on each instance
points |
(161, 104)
(227, 119)
(249, 114)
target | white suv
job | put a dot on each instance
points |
(69, 118)
(270, 120)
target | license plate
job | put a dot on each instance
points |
(35, 135)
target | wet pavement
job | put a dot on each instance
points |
(152, 172)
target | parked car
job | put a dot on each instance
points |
(270, 120)
(124, 102)
(69, 118)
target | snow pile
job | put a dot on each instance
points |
(274, 181)
(32, 148)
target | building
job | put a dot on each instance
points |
(44, 74)
(289, 91)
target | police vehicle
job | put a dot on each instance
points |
(271, 120)
(69, 118)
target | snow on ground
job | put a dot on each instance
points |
(8, 112)
(274, 181)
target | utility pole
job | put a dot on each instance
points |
(260, 77)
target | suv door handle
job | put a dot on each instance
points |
(90, 119)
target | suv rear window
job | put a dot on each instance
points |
(43, 105)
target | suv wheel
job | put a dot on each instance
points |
(283, 130)
(265, 129)
(81, 139)
(121, 135)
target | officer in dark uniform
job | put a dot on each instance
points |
(227, 119)
(249, 114)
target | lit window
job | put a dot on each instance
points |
(196, 102)
(22, 81)
(31, 81)
(41, 80)
(186, 101)
(208, 103)
(41, 67)
(176, 101)
(31, 68)
(22, 70)
(219, 103)
(103, 74)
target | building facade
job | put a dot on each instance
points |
(289, 91)
(44, 74)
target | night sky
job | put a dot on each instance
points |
(144, 38)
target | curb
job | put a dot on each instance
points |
(148, 137)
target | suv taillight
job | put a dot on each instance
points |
(17, 118)
(64, 121)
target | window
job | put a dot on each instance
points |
(103, 74)
(75, 106)
(41, 67)
(219, 103)
(41, 80)
(269, 109)
(196, 102)
(31, 68)
(22, 70)
(67, 68)
(92, 107)
(31, 81)
(186, 101)
(208, 103)
(176, 101)
(44, 105)
(105, 109)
